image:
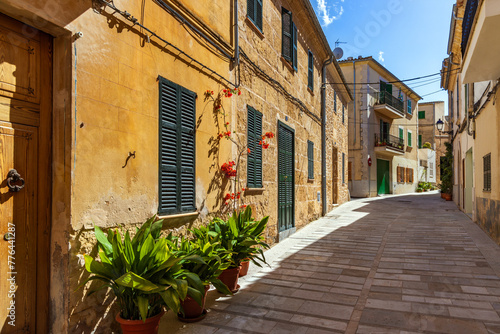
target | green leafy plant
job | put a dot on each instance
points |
(241, 236)
(215, 258)
(447, 168)
(142, 272)
(427, 145)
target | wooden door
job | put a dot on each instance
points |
(25, 118)
(286, 178)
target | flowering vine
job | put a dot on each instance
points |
(230, 169)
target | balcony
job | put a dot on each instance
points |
(481, 41)
(389, 106)
(389, 145)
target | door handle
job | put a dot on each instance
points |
(12, 177)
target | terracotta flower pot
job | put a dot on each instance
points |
(244, 268)
(192, 310)
(447, 197)
(230, 278)
(150, 326)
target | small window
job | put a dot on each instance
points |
(409, 139)
(421, 114)
(409, 106)
(254, 12)
(487, 172)
(254, 133)
(310, 160)
(310, 71)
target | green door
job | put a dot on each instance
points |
(286, 182)
(383, 177)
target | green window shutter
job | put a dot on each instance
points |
(383, 86)
(310, 71)
(254, 12)
(409, 139)
(258, 14)
(335, 101)
(310, 159)
(294, 60)
(421, 114)
(419, 141)
(409, 106)
(251, 10)
(401, 136)
(286, 38)
(176, 148)
(254, 135)
(388, 88)
(343, 168)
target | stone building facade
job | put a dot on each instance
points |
(428, 115)
(99, 93)
(471, 74)
(383, 130)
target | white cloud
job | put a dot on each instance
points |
(381, 56)
(324, 12)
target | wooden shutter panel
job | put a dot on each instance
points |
(294, 60)
(168, 147)
(310, 73)
(251, 10)
(286, 38)
(399, 174)
(409, 139)
(310, 159)
(177, 148)
(254, 133)
(187, 150)
(349, 171)
(258, 14)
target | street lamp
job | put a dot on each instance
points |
(440, 125)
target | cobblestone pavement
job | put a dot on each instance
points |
(396, 264)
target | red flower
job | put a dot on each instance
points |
(269, 135)
(227, 123)
(264, 146)
(248, 150)
(239, 91)
(243, 189)
(221, 135)
(260, 143)
(227, 203)
(227, 197)
(243, 206)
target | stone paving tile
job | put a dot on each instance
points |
(396, 264)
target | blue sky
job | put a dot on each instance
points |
(409, 37)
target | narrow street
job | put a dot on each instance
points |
(396, 264)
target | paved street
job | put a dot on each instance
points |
(397, 264)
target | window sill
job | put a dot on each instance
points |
(251, 191)
(255, 28)
(287, 65)
(179, 216)
(310, 180)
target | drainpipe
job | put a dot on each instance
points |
(323, 134)
(236, 44)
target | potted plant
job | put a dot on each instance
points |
(143, 273)
(215, 261)
(242, 237)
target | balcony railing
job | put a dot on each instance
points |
(468, 21)
(387, 98)
(389, 141)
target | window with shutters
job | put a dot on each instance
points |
(409, 106)
(487, 172)
(343, 114)
(401, 174)
(349, 171)
(310, 160)
(254, 134)
(402, 135)
(419, 141)
(310, 71)
(421, 114)
(431, 169)
(176, 148)
(408, 175)
(289, 38)
(409, 139)
(254, 12)
(335, 101)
